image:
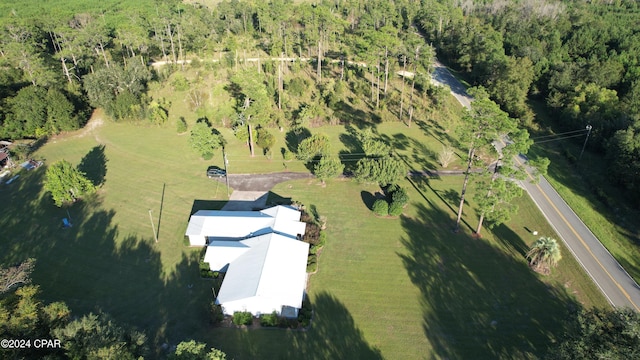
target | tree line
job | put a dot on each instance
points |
(68, 62)
(24, 316)
(580, 58)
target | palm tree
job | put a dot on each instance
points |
(544, 254)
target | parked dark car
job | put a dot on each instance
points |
(215, 172)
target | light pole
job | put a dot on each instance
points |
(155, 236)
(226, 173)
(585, 142)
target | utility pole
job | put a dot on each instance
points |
(226, 172)
(155, 236)
(585, 142)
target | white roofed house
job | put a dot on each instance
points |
(262, 255)
(207, 225)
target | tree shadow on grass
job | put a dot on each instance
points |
(333, 334)
(94, 165)
(510, 239)
(368, 199)
(478, 301)
(294, 137)
(92, 266)
(352, 116)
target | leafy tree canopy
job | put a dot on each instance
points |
(328, 167)
(192, 350)
(203, 140)
(384, 170)
(66, 183)
(600, 334)
(315, 145)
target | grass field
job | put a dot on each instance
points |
(386, 288)
(409, 288)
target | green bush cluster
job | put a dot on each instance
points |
(181, 125)
(205, 270)
(306, 313)
(396, 199)
(270, 320)
(242, 318)
(312, 263)
(287, 155)
(381, 207)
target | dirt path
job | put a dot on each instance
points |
(94, 122)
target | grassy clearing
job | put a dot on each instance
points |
(392, 288)
(397, 288)
(409, 287)
(109, 260)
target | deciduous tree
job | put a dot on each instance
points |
(66, 183)
(600, 334)
(203, 140)
(192, 350)
(382, 170)
(98, 336)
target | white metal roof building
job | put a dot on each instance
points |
(268, 275)
(208, 225)
(260, 251)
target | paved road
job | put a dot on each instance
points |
(250, 191)
(261, 182)
(614, 282)
(442, 76)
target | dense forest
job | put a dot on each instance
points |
(579, 58)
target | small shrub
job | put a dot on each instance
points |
(381, 207)
(305, 314)
(322, 239)
(391, 188)
(287, 323)
(400, 196)
(180, 83)
(287, 155)
(445, 156)
(312, 263)
(181, 125)
(265, 139)
(269, 319)
(242, 318)
(205, 270)
(395, 209)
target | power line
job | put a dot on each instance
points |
(558, 139)
(559, 134)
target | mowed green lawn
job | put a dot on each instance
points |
(409, 288)
(392, 288)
